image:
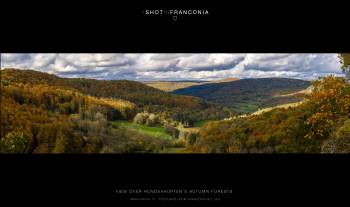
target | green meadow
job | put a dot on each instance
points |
(154, 131)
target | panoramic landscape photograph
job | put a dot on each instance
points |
(175, 103)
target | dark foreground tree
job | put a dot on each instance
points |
(345, 61)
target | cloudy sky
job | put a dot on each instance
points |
(175, 66)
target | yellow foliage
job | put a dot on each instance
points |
(328, 102)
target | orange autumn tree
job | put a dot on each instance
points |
(329, 107)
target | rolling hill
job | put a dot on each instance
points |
(249, 95)
(44, 113)
(145, 98)
(133, 91)
(170, 86)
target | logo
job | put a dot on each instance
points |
(175, 13)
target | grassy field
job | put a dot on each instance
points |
(200, 123)
(245, 108)
(284, 106)
(154, 131)
(170, 86)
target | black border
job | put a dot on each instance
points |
(254, 179)
(265, 26)
(239, 26)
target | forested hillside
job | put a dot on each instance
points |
(248, 95)
(41, 118)
(123, 89)
(180, 108)
(43, 113)
(321, 124)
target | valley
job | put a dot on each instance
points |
(44, 113)
(69, 115)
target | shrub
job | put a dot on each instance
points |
(61, 145)
(339, 142)
(14, 142)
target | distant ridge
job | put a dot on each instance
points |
(225, 80)
(249, 95)
(170, 86)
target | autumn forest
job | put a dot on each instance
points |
(46, 113)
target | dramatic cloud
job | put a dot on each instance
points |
(173, 66)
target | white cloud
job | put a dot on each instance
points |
(177, 66)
